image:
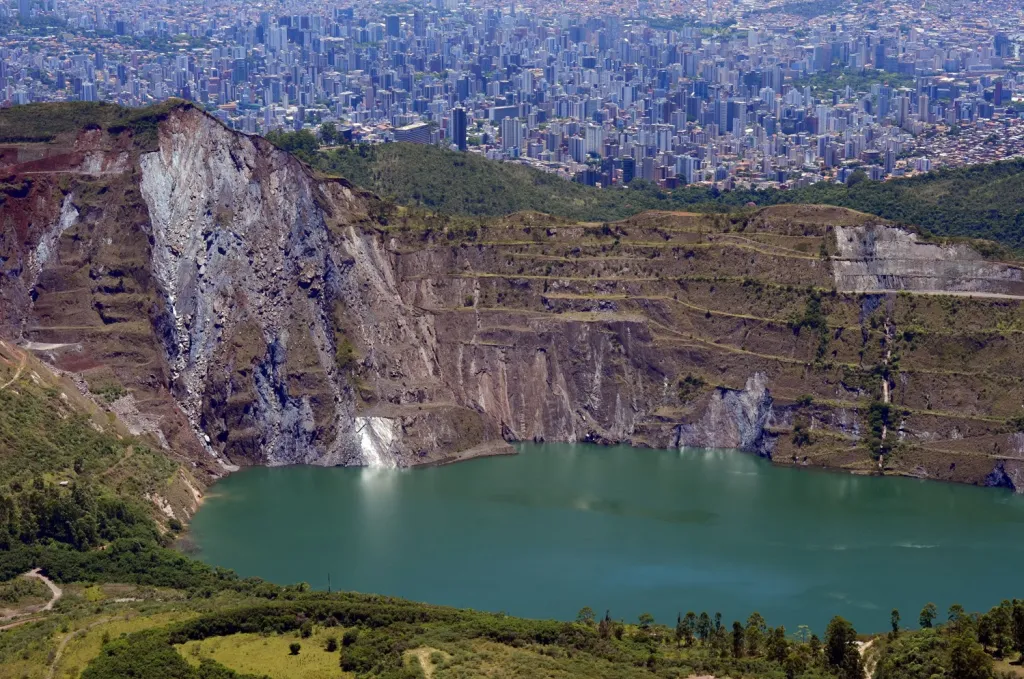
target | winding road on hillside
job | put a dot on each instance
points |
(33, 615)
(57, 591)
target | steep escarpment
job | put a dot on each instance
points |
(673, 329)
(244, 310)
(214, 279)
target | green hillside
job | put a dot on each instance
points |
(982, 201)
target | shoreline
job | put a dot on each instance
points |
(502, 448)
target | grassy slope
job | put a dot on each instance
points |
(49, 433)
(259, 654)
(168, 634)
(46, 122)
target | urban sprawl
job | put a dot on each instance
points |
(739, 94)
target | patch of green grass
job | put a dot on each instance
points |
(92, 632)
(46, 122)
(270, 654)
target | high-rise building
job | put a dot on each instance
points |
(594, 135)
(511, 133)
(459, 127)
(394, 26)
(25, 9)
(628, 169)
(688, 168)
(416, 133)
(578, 149)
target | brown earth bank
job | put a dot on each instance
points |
(224, 300)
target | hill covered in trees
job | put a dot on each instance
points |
(981, 201)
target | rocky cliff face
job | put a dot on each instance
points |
(254, 313)
(235, 287)
(874, 257)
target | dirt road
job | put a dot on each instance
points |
(33, 614)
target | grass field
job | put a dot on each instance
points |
(88, 616)
(1015, 669)
(86, 639)
(269, 655)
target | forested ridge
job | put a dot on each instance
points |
(979, 201)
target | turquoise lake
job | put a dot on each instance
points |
(559, 527)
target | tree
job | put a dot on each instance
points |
(776, 647)
(856, 177)
(755, 633)
(604, 628)
(329, 133)
(302, 143)
(795, 665)
(894, 620)
(737, 639)
(968, 660)
(690, 626)
(996, 628)
(645, 620)
(585, 616)
(294, 648)
(841, 648)
(680, 632)
(957, 617)
(1018, 626)
(703, 627)
(814, 645)
(928, 615)
(306, 629)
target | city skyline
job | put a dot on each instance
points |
(734, 94)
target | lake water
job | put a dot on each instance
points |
(559, 527)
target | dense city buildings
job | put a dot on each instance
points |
(732, 93)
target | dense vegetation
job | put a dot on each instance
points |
(379, 632)
(859, 80)
(980, 201)
(58, 487)
(71, 482)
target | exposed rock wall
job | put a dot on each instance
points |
(734, 418)
(873, 257)
(259, 314)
